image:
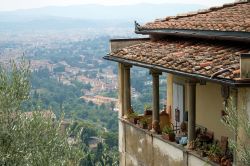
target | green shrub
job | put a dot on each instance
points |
(29, 139)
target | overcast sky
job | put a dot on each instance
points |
(25, 4)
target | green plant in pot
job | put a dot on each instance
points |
(168, 133)
(214, 153)
(202, 151)
(133, 117)
(147, 109)
(143, 123)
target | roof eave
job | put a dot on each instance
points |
(228, 82)
(207, 34)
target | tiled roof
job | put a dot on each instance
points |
(188, 56)
(234, 17)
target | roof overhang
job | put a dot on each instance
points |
(206, 34)
(228, 82)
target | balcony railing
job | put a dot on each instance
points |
(142, 147)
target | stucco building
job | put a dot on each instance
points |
(206, 57)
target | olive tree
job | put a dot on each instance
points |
(237, 120)
(29, 140)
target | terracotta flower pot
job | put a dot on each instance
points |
(133, 120)
(148, 112)
(170, 137)
(214, 158)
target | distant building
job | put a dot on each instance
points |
(99, 100)
(41, 64)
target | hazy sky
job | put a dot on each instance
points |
(25, 4)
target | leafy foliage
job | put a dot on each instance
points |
(29, 139)
(48, 93)
(106, 152)
(237, 120)
(167, 130)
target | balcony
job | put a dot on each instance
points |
(198, 104)
(139, 146)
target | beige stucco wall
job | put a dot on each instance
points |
(245, 68)
(195, 161)
(121, 146)
(209, 104)
(143, 148)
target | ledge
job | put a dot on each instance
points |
(178, 146)
(158, 136)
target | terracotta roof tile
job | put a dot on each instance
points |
(229, 17)
(188, 56)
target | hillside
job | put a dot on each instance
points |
(86, 16)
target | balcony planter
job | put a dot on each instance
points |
(133, 118)
(143, 123)
(168, 134)
(214, 153)
(170, 137)
(147, 110)
(226, 161)
(202, 153)
(214, 158)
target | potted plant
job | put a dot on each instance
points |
(143, 123)
(133, 117)
(147, 109)
(202, 151)
(168, 133)
(226, 161)
(227, 158)
(214, 153)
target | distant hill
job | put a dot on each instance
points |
(143, 12)
(89, 15)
